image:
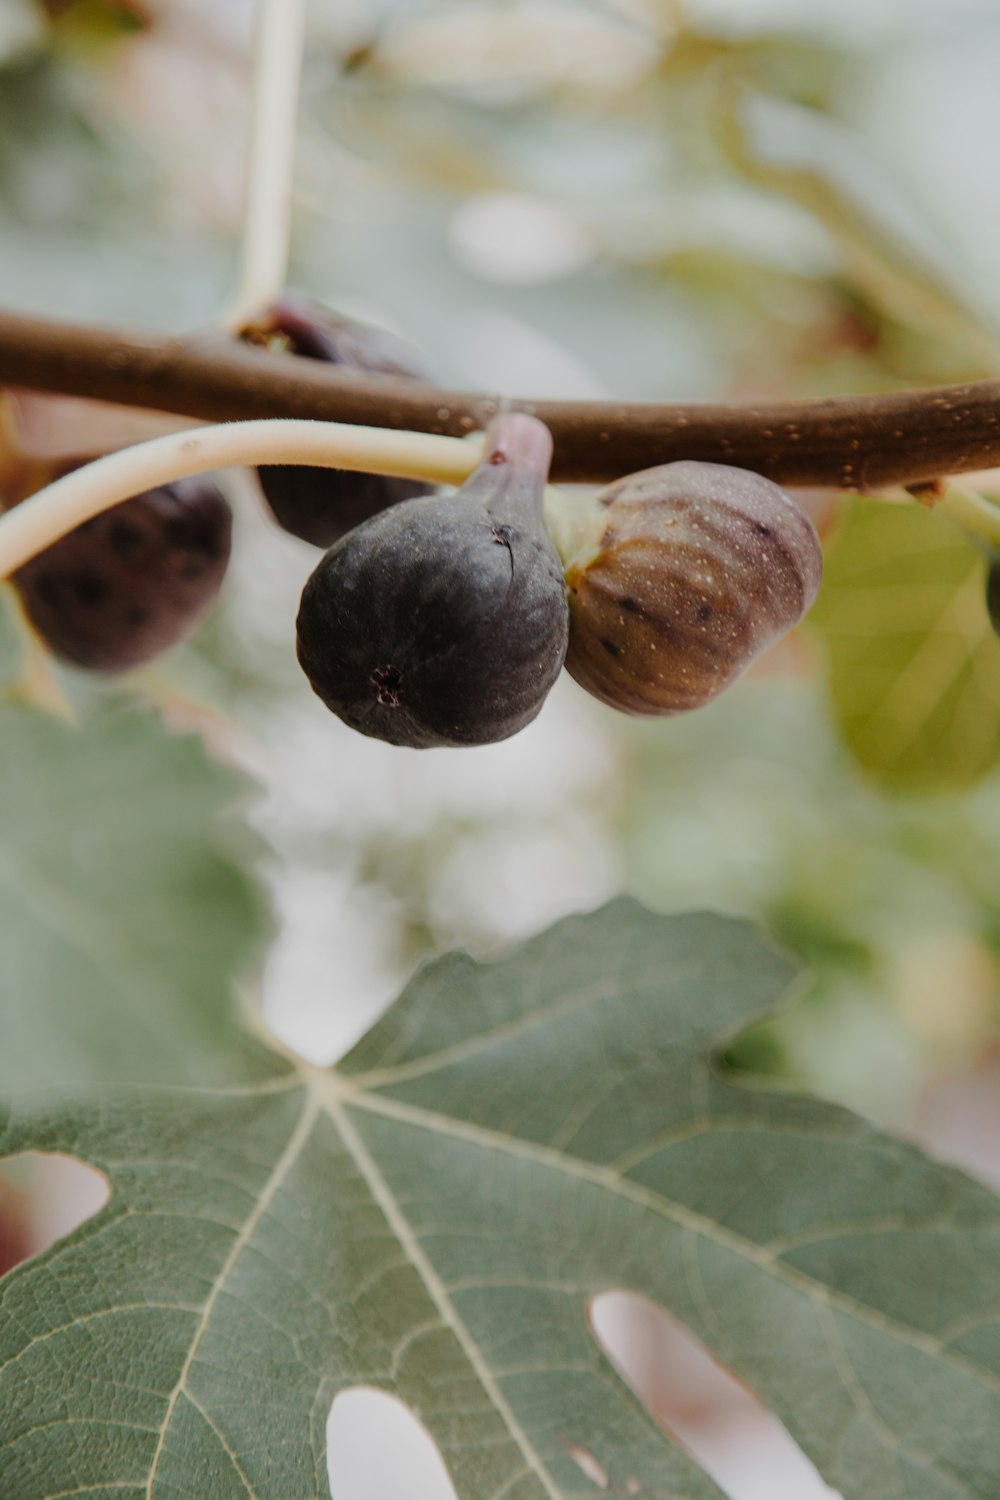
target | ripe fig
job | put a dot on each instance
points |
(322, 505)
(691, 570)
(131, 582)
(443, 621)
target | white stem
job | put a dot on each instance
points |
(267, 209)
(972, 511)
(976, 514)
(36, 523)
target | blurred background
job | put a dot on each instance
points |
(714, 199)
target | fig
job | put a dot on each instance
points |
(132, 581)
(689, 572)
(322, 505)
(443, 620)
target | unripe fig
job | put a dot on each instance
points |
(132, 581)
(443, 621)
(322, 505)
(690, 571)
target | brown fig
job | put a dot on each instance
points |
(689, 572)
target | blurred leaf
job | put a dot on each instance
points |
(10, 636)
(93, 23)
(755, 806)
(28, 674)
(914, 665)
(22, 28)
(434, 143)
(884, 265)
(124, 915)
(812, 73)
(435, 1217)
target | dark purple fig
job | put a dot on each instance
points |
(443, 621)
(133, 581)
(691, 570)
(322, 505)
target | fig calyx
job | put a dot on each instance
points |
(443, 620)
(133, 581)
(322, 505)
(689, 571)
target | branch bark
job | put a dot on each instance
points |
(852, 442)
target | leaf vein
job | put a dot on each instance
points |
(223, 1443)
(287, 1159)
(436, 1289)
(677, 1213)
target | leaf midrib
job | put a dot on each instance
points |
(678, 1213)
(329, 1094)
(514, 1027)
(438, 1293)
(826, 1298)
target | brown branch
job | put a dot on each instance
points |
(853, 442)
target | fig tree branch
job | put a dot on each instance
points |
(853, 442)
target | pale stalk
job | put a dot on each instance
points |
(270, 157)
(34, 524)
(973, 512)
(978, 516)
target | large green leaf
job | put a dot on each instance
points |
(434, 1217)
(914, 664)
(123, 913)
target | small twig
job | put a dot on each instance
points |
(852, 442)
(49, 514)
(270, 156)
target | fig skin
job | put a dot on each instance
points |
(322, 505)
(443, 621)
(133, 581)
(692, 571)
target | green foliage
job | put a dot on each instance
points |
(434, 1217)
(914, 663)
(756, 807)
(124, 914)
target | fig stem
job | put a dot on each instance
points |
(33, 525)
(518, 438)
(976, 515)
(973, 512)
(267, 208)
